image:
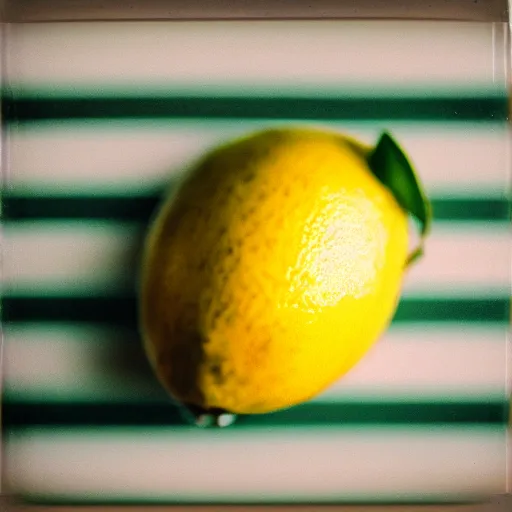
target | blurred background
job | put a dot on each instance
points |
(101, 118)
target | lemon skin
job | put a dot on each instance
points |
(271, 272)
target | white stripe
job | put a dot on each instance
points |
(126, 157)
(74, 255)
(462, 256)
(306, 53)
(259, 465)
(432, 362)
(70, 255)
(71, 363)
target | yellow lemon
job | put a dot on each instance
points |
(271, 271)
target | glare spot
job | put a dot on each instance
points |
(343, 246)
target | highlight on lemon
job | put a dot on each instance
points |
(275, 266)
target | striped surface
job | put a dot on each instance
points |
(101, 119)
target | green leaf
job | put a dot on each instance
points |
(391, 166)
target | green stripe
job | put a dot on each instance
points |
(21, 415)
(282, 499)
(121, 309)
(294, 499)
(26, 206)
(449, 108)
(471, 209)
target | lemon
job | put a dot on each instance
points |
(271, 271)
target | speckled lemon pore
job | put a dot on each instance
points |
(271, 272)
